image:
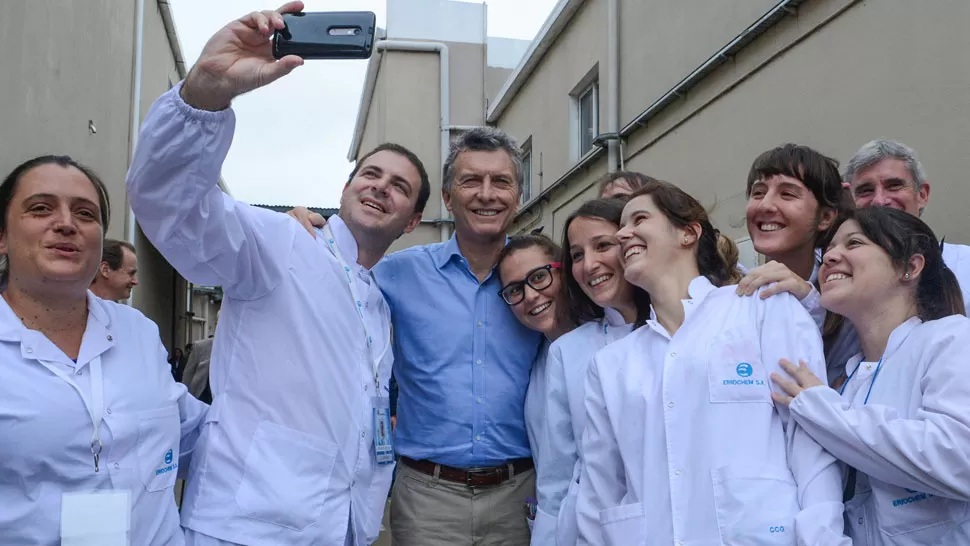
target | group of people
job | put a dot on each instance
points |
(631, 385)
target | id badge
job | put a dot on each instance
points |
(96, 519)
(382, 431)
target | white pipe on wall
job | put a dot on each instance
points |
(613, 82)
(135, 113)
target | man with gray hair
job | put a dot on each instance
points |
(462, 363)
(886, 173)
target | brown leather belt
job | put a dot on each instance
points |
(479, 477)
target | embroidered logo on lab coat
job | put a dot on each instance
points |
(170, 464)
(744, 370)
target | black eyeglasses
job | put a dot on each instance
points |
(539, 279)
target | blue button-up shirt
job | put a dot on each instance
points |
(461, 360)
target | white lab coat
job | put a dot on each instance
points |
(287, 455)
(846, 342)
(683, 444)
(46, 429)
(910, 442)
(957, 258)
(558, 469)
(535, 409)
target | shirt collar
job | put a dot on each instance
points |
(443, 253)
(345, 239)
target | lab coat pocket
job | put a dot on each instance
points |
(735, 372)
(567, 530)
(755, 506)
(906, 511)
(286, 477)
(624, 525)
(158, 447)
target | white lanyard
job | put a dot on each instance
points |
(359, 304)
(94, 407)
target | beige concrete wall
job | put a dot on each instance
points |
(542, 107)
(406, 109)
(65, 63)
(837, 74)
(494, 80)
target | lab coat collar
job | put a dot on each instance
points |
(345, 239)
(35, 346)
(698, 289)
(613, 317)
(896, 339)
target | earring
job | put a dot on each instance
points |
(686, 241)
(906, 276)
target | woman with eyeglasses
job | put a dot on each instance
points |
(94, 428)
(682, 444)
(901, 423)
(606, 307)
(529, 271)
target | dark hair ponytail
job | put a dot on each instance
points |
(718, 264)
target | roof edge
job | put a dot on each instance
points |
(557, 21)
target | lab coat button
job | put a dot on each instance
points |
(110, 338)
(478, 361)
(860, 521)
(672, 355)
(78, 372)
(478, 437)
(677, 473)
(479, 324)
(28, 350)
(117, 466)
(108, 411)
(670, 404)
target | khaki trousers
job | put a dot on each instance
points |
(428, 511)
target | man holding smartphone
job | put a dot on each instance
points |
(292, 450)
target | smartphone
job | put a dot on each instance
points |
(326, 35)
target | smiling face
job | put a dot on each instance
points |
(856, 274)
(888, 183)
(381, 197)
(783, 216)
(650, 243)
(595, 254)
(53, 231)
(484, 194)
(536, 309)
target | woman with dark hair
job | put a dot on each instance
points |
(94, 428)
(682, 443)
(529, 270)
(901, 423)
(606, 307)
(795, 203)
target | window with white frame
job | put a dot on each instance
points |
(588, 106)
(526, 172)
(584, 117)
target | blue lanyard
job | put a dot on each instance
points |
(871, 383)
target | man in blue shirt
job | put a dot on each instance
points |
(462, 363)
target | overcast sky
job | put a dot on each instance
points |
(292, 137)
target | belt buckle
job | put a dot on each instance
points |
(471, 474)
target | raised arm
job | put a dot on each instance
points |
(173, 181)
